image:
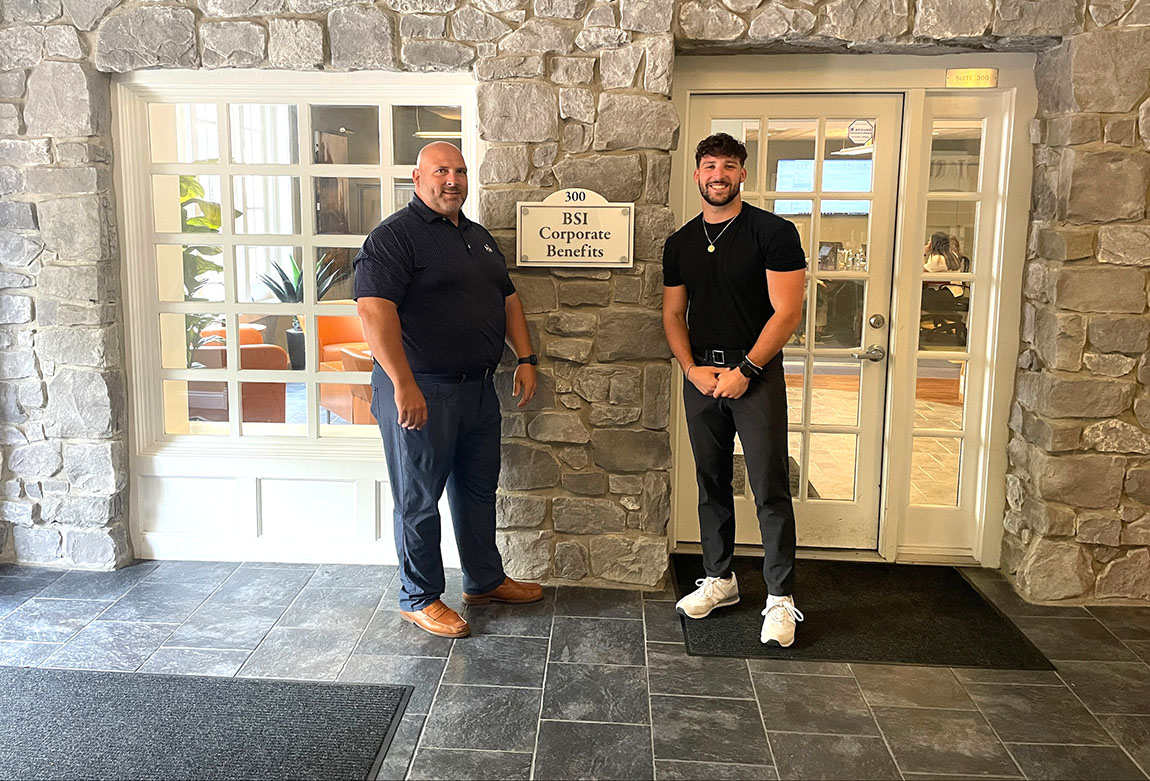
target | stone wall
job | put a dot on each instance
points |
(571, 93)
(1078, 525)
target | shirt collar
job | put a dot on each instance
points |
(429, 215)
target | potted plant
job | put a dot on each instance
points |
(287, 287)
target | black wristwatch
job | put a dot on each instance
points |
(532, 359)
(749, 370)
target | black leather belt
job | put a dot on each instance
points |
(718, 357)
(468, 376)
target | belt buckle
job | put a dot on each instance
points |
(718, 357)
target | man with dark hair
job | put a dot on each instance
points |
(437, 304)
(733, 294)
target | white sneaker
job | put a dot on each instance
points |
(710, 594)
(779, 624)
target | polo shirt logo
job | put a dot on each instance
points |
(488, 248)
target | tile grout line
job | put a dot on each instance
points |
(543, 691)
(430, 709)
(886, 742)
(762, 718)
(647, 677)
(275, 623)
(366, 624)
(1117, 742)
(993, 731)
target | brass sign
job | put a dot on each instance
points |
(971, 78)
(575, 228)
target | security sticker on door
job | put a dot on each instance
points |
(861, 131)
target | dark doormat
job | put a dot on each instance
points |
(71, 724)
(863, 612)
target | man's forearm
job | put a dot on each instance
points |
(516, 326)
(772, 338)
(384, 336)
(679, 340)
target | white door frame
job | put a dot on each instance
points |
(916, 78)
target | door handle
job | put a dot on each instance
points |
(873, 353)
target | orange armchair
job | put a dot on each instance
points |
(333, 333)
(351, 402)
(250, 333)
(263, 402)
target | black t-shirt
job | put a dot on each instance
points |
(728, 299)
(448, 284)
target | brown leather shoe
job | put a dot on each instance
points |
(438, 619)
(511, 592)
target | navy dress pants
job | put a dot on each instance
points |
(458, 448)
(759, 417)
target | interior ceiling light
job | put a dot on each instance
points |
(421, 133)
(854, 151)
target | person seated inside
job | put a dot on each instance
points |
(944, 304)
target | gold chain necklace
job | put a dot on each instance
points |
(711, 244)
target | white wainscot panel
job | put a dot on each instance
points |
(187, 505)
(307, 512)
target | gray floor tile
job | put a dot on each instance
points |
(951, 777)
(402, 748)
(577, 750)
(598, 602)
(497, 661)
(237, 627)
(278, 565)
(451, 764)
(16, 590)
(49, 620)
(666, 594)
(19, 654)
(1105, 687)
(211, 573)
(1007, 677)
(388, 635)
(831, 757)
(24, 571)
(911, 687)
(373, 576)
(813, 703)
(1127, 623)
(165, 603)
(1141, 649)
(308, 654)
(99, 586)
(1080, 639)
(943, 741)
(596, 641)
(262, 587)
(596, 692)
(693, 729)
(793, 667)
(491, 718)
(1133, 734)
(421, 673)
(1076, 763)
(1008, 601)
(675, 770)
(334, 608)
(195, 661)
(663, 623)
(530, 620)
(1037, 714)
(110, 645)
(672, 671)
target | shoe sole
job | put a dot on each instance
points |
(449, 635)
(776, 643)
(725, 603)
(469, 600)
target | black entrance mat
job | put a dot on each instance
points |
(69, 724)
(863, 612)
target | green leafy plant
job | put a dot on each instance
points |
(287, 285)
(198, 215)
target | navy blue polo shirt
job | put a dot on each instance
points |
(448, 284)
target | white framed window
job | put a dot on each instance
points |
(242, 206)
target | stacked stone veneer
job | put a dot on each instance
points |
(574, 93)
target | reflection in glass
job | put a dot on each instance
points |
(186, 203)
(264, 133)
(848, 165)
(266, 204)
(334, 277)
(187, 341)
(345, 134)
(794, 372)
(184, 132)
(747, 131)
(189, 273)
(195, 407)
(791, 155)
(839, 312)
(955, 148)
(798, 212)
(939, 390)
(403, 191)
(799, 337)
(413, 127)
(346, 205)
(835, 393)
(949, 236)
(831, 465)
(269, 274)
(934, 471)
(795, 451)
(945, 315)
(843, 235)
(271, 342)
(341, 344)
(283, 403)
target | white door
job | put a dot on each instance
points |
(829, 163)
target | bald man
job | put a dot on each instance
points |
(437, 306)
